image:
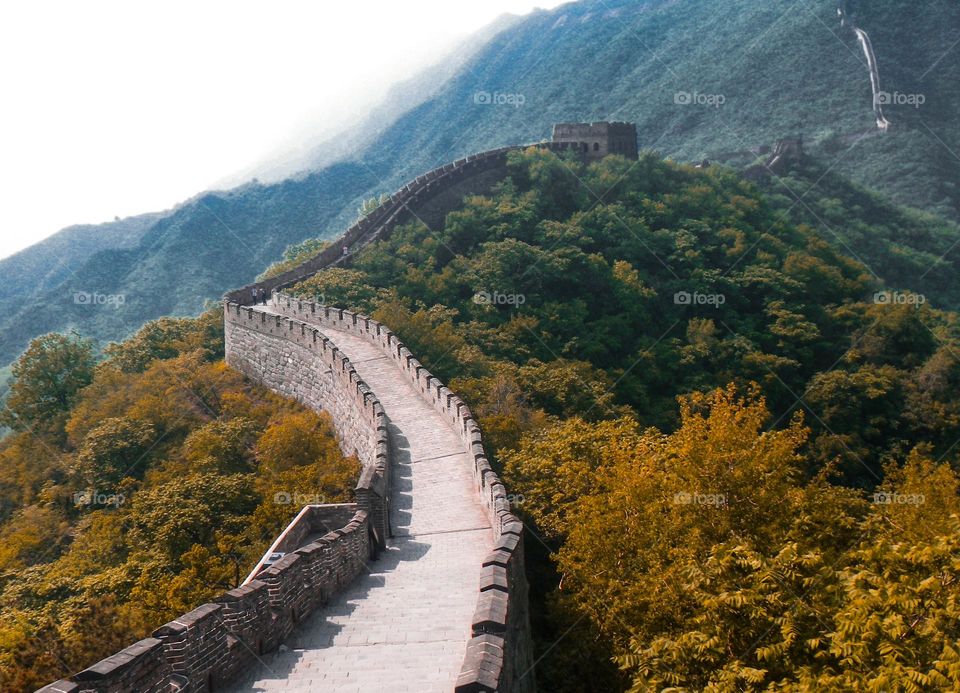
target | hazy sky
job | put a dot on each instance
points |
(117, 108)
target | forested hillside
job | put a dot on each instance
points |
(702, 79)
(218, 241)
(899, 246)
(136, 487)
(735, 448)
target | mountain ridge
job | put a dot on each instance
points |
(590, 60)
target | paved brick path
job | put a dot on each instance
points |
(405, 625)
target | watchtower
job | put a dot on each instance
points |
(596, 140)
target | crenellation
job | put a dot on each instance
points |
(247, 618)
(194, 646)
(141, 664)
(490, 615)
(483, 665)
(483, 476)
(62, 686)
(508, 580)
(494, 577)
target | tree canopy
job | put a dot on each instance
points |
(734, 446)
(145, 484)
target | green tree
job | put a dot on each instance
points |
(297, 440)
(46, 381)
(34, 534)
(340, 286)
(368, 206)
(166, 338)
(294, 256)
(190, 510)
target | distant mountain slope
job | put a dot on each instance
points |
(902, 247)
(48, 263)
(217, 241)
(710, 79)
(752, 72)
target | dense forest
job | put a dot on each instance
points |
(898, 246)
(138, 484)
(734, 444)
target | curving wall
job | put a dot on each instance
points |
(202, 650)
(212, 644)
(297, 360)
(421, 198)
(499, 655)
(427, 198)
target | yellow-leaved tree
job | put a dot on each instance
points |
(709, 561)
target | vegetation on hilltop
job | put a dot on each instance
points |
(782, 69)
(294, 256)
(899, 246)
(137, 487)
(629, 284)
(792, 524)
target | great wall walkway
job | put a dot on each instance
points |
(444, 607)
(403, 626)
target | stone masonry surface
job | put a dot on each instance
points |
(499, 655)
(404, 626)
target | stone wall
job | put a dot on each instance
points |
(212, 644)
(430, 197)
(306, 366)
(215, 642)
(312, 520)
(499, 656)
(297, 360)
